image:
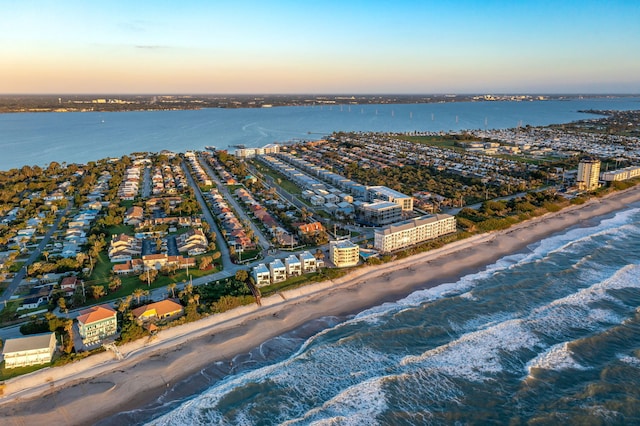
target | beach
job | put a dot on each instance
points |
(97, 387)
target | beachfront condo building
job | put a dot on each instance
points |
(309, 262)
(387, 194)
(344, 253)
(379, 213)
(278, 271)
(293, 265)
(622, 174)
(31, 350)
(96, 324)
(413, 231)
(261, 275)
(588, 174)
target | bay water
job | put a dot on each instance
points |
(79, 137)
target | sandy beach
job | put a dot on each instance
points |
(100, 386)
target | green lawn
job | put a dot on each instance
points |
(295, 282)
(7, 373)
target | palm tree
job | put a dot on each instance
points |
(172, 287)
(124, 304)
(97, 291)
(46, 255)
(196, 298)
(138, 293)
(114, 283)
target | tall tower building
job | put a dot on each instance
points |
(588, 174)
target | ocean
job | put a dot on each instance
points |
(40, 138)
(546, 336)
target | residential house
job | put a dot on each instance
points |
(129, 267)
(122, 247)
(68, 285)
(158, 311)
(134, 216)
(193, 242)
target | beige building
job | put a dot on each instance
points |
(31, 350)
(344, 253)
(413, 231)
(379, 213)
(97, 323)
(387, 194)
(622, 174)
(588, 174)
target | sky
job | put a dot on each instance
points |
(311, 46)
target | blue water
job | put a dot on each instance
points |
(547, 336)
(39, 138)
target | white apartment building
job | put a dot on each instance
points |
(413, 231)
(261, 275)
(309, 263)
(278, 271)
(293, 265)
(31, 350)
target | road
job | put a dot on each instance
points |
(35, 254)
(222, 245)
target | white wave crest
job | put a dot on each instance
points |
(557, 357)
(476, 355)
(356, 405)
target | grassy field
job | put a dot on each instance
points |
(7, 373)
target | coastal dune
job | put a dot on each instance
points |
(100, 386)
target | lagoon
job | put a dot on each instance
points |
(40, 138)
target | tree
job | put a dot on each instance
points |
(205, 262)
(62, 304)
(172, 287)
(114, 283)
(46, 255)
(97, 291)
(242, 275)
(138, 293)
(124, 304)
(148, 276)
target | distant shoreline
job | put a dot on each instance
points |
(99, 387)
(15, 104)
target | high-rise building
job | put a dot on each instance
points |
(588, 174)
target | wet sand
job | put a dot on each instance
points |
(100, 386)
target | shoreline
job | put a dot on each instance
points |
(99, 387)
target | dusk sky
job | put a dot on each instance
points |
(341, 46)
